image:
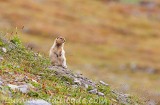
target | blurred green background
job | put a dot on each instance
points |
(116, 41)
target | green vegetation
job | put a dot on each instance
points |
(21, 62)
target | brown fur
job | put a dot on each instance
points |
(57, 53)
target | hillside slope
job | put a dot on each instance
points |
(25, 75)
(117, 42)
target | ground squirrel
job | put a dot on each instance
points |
(57, 53)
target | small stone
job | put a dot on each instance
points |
(34, 81)
(94, 91)
(74, 86)
(100, 94)
(89, 81)
(77, 81)
(23, 88)
(4, 50)
(11, 73)
(1, 83)
(127, 95)
(68, 83)
(75, 75)
(103, 83)
(86, 86)
(37, 102)
(13, 87)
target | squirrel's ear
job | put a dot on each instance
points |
(57, 37)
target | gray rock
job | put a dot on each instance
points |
(100, 94)
(77, 81)
(22, 88)
(4, 50)
(74, 86)
(37, 102)
(1, 83)
(34, 81)
(103, 83)
(94, 91)
(13, 87)
(86, 86)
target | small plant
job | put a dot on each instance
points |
(89, 88)
(104, 89)
(65, 78)
(32, 94)
(16, 40)
(1, 43)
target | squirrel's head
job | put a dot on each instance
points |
(60, 40)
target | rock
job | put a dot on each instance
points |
(74, 86)
(76, 75)
(100, 94)
(22, 88)
(34, 81)
(86, 86)
(4, 50)
(127, 95)
(94, 91)
(37, 102)
(103, 83)
(1, 82)
(77, 81)
(13, 87)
